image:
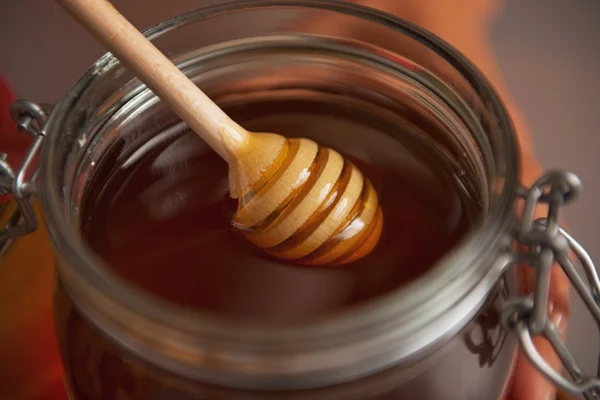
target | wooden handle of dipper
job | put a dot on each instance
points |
(153, 68)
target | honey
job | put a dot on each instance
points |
(162, 220)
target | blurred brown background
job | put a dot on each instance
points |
(549, 52)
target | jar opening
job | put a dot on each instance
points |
(460, 118)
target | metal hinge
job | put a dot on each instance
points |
(547, 244)
(20, 183)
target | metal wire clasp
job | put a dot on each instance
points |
(547, 244)
(20, 183)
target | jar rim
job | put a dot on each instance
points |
(468, 254)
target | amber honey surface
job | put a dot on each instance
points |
(161, 218)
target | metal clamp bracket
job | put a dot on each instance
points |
(20, 183)
(548, 244)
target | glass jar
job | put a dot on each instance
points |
(444, 335)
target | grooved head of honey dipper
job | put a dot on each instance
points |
(310, 206)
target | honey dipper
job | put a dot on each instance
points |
(296, 200)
